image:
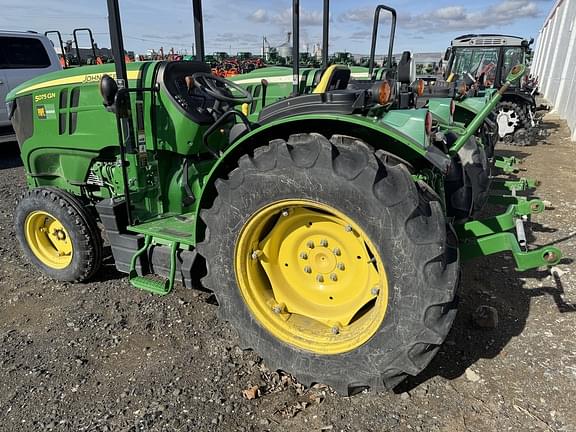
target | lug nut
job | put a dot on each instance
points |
(375, 291)
(333, 277)
(256, 254)
(307, 269)
(277, 309)
(335, 330)
(348, 228)
(310, 244)
(320, 278)
(285, 212)
(336, 251)
(304, 255)
(324, 243)
(341, 266)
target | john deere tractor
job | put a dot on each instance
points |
(323, 228)
(485, 60)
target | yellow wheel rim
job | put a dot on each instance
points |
(311, 276)
(48, 240)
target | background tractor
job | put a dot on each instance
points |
(485, 60)
(323, 228)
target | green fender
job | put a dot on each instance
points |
(378, 132)
(440, 110)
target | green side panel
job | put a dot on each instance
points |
(440, 110)
(408, 124)
(174, 131)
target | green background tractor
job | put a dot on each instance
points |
(487, 59)
(322, 228)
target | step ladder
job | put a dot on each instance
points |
(146, 282)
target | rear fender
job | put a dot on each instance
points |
(377, 134)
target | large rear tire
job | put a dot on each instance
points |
(331, 263)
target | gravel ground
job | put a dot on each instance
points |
(103, 356)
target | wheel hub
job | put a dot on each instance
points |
(507, 122)
(48, 240)
(311, 271)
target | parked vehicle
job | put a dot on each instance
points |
(485, 60)
(23, 56)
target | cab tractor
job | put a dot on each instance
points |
(485, 60)
(322, 228)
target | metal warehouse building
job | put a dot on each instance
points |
(555, 60)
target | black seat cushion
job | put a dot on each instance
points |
(404, 68)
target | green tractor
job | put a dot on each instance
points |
(323, 228)
(485, 60)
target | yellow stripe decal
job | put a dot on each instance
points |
(77, 79)
(275, 80)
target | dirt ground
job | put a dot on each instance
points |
(103, 356)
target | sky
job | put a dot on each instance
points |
(239, 25)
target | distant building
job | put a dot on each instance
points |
(554, 61)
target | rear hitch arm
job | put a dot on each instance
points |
(491, 236)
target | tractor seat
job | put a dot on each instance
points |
(175, 79)
(407, 68)
(335, 77)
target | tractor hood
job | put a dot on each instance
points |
(274, 75)
(85, 75)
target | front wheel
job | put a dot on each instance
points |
(332, 264)
(58, 235)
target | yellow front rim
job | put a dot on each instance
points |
(48, 240)
(311, 276)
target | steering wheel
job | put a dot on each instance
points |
(219, 88)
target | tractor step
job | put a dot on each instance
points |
(491, 235)
(152, 283)
(180, 228)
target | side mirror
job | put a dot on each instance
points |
(447, 53)
(108, 90)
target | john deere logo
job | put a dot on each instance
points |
(45, 111)
(41, 111)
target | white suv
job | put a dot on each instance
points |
(23, 56)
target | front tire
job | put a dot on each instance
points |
(58, 235)
(274, 270)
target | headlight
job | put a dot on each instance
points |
(382, 92)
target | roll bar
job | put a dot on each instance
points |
(375, 36)
(75, 34)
